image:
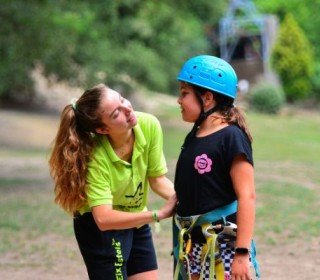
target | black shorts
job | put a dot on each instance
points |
(114, 254)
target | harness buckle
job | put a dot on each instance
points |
(185, 222)
(228, 229)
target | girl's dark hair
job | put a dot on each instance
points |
(72, 148)
(226, 107)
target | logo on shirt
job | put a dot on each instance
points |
(203, 164)
(135, 200)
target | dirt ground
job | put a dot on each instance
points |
(295, 261)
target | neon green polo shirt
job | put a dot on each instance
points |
(124, 185)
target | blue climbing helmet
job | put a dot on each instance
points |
(210, 72)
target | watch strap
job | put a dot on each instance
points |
(242, 251)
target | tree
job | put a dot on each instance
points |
(86, 42)
(292, 58)
(303, 12)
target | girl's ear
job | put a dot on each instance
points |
(208, 99)
(102, 130)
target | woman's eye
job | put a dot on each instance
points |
(116, 114)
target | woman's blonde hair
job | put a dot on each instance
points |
(72, 148)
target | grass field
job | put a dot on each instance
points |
(36, 239)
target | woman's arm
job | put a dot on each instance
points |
(108, 219)
(162, 186)
(242, 175)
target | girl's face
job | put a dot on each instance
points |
(189, 104)
(116, 113)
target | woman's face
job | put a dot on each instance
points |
(189, 104)
(116, 113)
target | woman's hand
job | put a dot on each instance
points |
(240, 269)
(168, 209)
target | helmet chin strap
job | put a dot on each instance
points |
(203, 115)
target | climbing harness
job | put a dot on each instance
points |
(222, 232)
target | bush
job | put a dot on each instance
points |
(292, 59)
(266, 98)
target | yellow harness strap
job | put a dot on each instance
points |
(183, 252)
(211, 249)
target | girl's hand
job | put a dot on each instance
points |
(169, 208)
(240, 269)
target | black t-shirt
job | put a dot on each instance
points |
(202, 180)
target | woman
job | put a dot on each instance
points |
(104, 158)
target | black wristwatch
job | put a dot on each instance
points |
(242, 251)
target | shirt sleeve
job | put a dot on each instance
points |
(98, 183)
(237, 143)
(157, 163)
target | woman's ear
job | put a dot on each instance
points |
(102, 130)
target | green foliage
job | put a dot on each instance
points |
(86, 42)
(17, 59)
(315, 80)
(266, 98)
(303, 12)
(292, 58)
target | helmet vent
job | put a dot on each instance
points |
(191, 76)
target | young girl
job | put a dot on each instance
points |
(104, 158)
(214, 178)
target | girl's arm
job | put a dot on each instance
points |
(162, 186)
(242, 175)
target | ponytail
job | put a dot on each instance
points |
(236, 116)
(68, 162)
(232, 114)
(72, 148)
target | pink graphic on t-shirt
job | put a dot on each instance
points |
(203, 164)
